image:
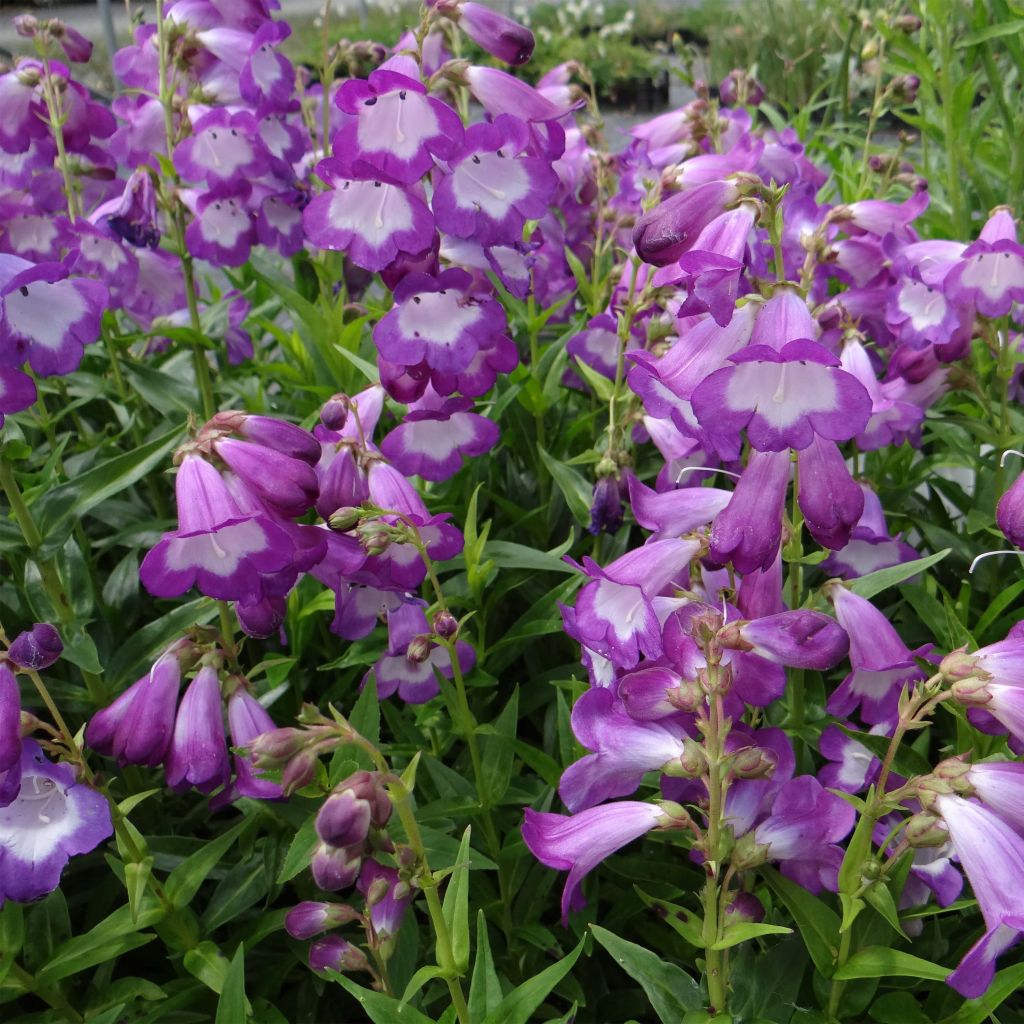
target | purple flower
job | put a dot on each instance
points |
(222, 148)
(431, 443)
(992, 855)
(10, 735)
(677, 512)
(437, 320)
(881, 663)
(501, 93)
(852, 767)
(1000, 785)
(46, 315)
(53, 818)
(286, 485)
(308, 918)
(247, 719)
(357, 803)
(606, 506)
(17, 391)
(615, 614)
(579, 843)
(37, 648)
(198, 754)
(990, 275)
(335, 868)
(493, 189)
(830, 500)
(748, 531)
(801, 638)
(1010, 513)
(216, 546)
(386, 911)
(333, 953)
(371, 221)
(223, 230)
(137, 727)
(267, 79)
(784, 398)
(24, 111)
(133, 216)
(395, 129)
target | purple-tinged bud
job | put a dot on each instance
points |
(972, 691)
(248, 720)
(800, 639)
(1010, 513)
(418, 650)
(271, 749)
(37, 648)
(10, 721)
(299, 772)
(500, 36)
(282, 437)
(673, 815)
(336, 868)
(26, 25)
(739, 88)
(907, 23)
(953, 770)
(745, 906)
(925, 830)
(344, 819)
(345, 518)
(446, 625)
(693, 761)
(754, 763)
(307, 919)
(663, 234)
(198, 755)
(374, 537)
(961, 665)
(333, 953)
(606, 507)
(77, 48)
(334, 414)
(903, 88)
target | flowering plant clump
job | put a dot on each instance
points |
(416, 506)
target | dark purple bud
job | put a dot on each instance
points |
(343, 820)
(745, 906)
(333, 953)
(446, 625)
(10, 721)
(262, 618)
(308, 919)
(739, 88)
(334, 414)
(1010, 513)
(606, 506)
(282, 437)
(500, 36)
(800, 638)
(336, 868)
(73, 43)
(903, 88)
(300, 771)
(37, 648)
(663, 234)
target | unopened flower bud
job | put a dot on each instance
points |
(753, 763)
(959, 665)
(925, 829)
(693, 761)
(26, 25)
(446, 625)
(333, 953)
(308, 918)
(869, 51)
(908, 23)
(299, 771)
(356, 804)
(345, 518)
(334, 414)
(379, 889)
(952, 770)
(271, 749)
(37, 648)
(673, 815)
(336, 868)
(745, 906)
(971, 691)
(374, 537)
(903, 88)
(418, 650)
(731, 637)
(688, 696)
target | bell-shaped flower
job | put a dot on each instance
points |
(267, 78)
(851, 766)
(870, 546)
(387, 897)
(432, 443)
(17, 391)
(216, 547)
(499, 35)
(748, 531)
(395, 129)
(10, 735)
(47, 316)
(801, 638)
(881, 664)
(132, 216)
(223, 230)
(992, 855)
(989, 275)
(247, 719)
(1010, 512)
(24, 111)
(53, 818)
(615, 614)
(624, 749)
(501, 93)
(675, 513)
(493, 188)
(437, 320)
(284, 484)
(783, 399)
(198, 754)
(370, 221)
(672, 227)
(578, 843)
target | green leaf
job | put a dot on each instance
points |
(881, 899)
(184, 881)
(499, 753)
(456, 906)
(507, 555)
(484, 988)
(817, 923)
(206, 962)
(70, 501)
(300, 853)
(688, 925)
(745, 930)
(575, 489)
(983, 35)
(365, 714)
(426, 973)
(851, 872)
(976, 1011)
(135, 878)
(518, 1006)
(671, 991)
(875, 582)
(882, 962)
(898, 1008)
(232, 1007)
(380, 1009)
(12, 936)
(601, 385)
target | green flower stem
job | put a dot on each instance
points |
(445, 956)
(48, 571)
(55, 116)
(51, 996)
